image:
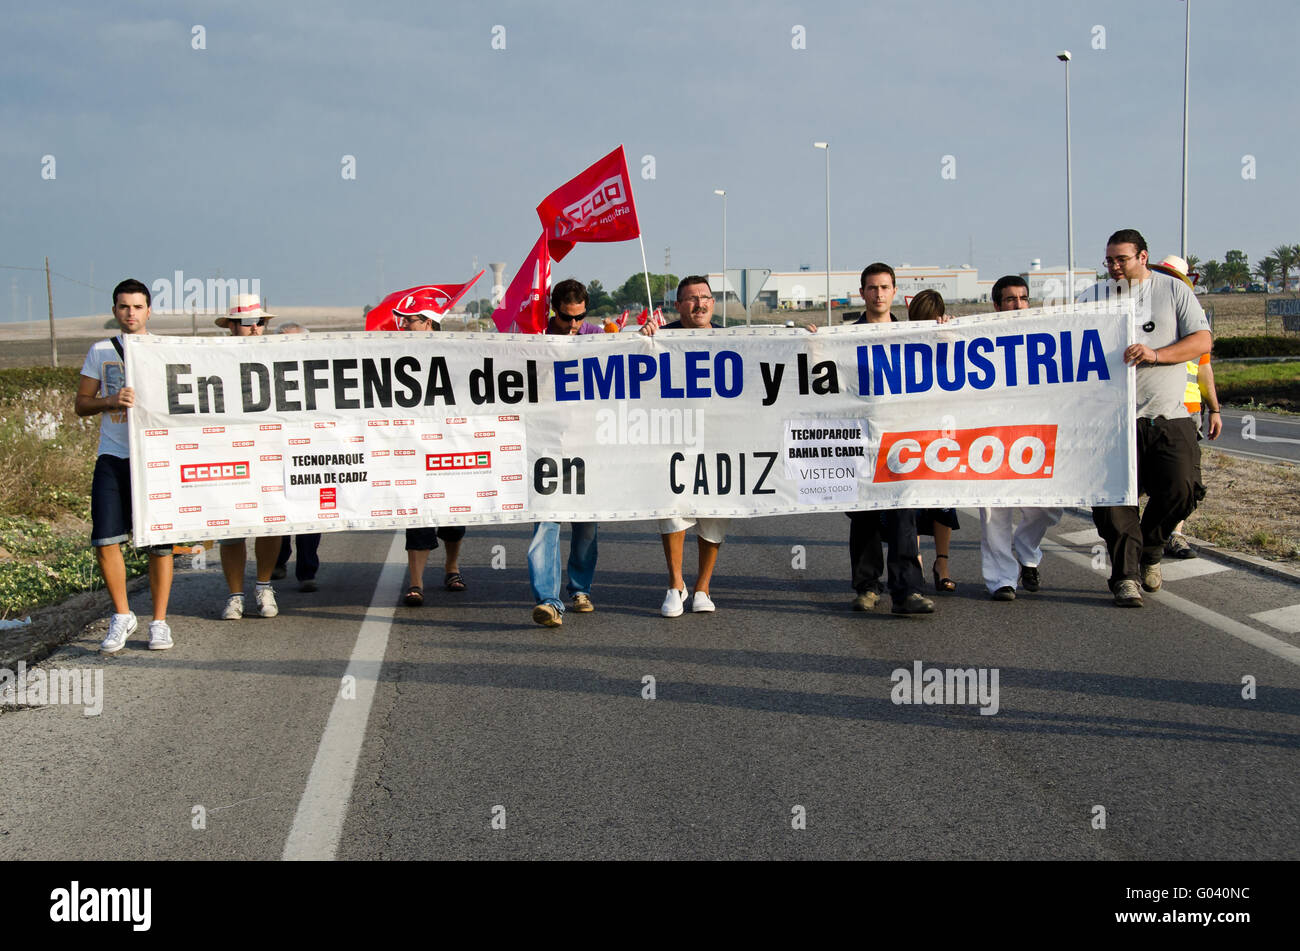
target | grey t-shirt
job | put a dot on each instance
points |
(1168, 306)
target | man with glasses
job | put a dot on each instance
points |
(1170, 329)
(1008, 556)
(695, 312)
(246, 318)
(568, 319)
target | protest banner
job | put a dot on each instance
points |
(277, 435)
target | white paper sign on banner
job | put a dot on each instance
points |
(275, 435)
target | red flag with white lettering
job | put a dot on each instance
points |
(426, 300)
(595, 206)
(526, 307)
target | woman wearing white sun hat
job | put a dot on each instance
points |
(246, 318)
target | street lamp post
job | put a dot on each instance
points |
(1064, 57)
(826, 146)
(723, 193)
(1187, 52)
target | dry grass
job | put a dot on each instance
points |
(1249, 506)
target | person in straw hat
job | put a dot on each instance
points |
(1199, 394)
(246, 318)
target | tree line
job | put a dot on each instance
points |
(1235, 270)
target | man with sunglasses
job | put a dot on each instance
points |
(568, 319)
(246, 318)
(1170, 329)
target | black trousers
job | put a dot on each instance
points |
(308, 560)
(1168, 462)
(868, 532)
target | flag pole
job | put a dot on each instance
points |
(645, 269)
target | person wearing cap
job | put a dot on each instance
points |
(1199, 393)
(416, 314)
(102, 390)
(568, 318)
(308, 562)
(1170, 329)
(246, 318)
(1010, 554)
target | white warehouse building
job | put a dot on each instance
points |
(786, 290)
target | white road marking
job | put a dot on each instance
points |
(1164, 598)
(1286, 620)
(1254, 455)
(1088, 536)
(318, 824)
(1273, 439)
(1172, 570)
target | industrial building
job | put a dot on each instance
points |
(794, 290)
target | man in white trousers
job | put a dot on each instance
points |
(1012, 554)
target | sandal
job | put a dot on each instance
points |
(453, 581)
(944, 585)
(414, 596)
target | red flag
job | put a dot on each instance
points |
(642, 317)
(595, 206)
(659, 316)
(526, 307)
(622, 319)
(430, 300)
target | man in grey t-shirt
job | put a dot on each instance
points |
(1170, 330)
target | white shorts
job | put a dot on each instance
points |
(712, 530)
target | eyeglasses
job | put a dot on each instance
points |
(696, 300)
(582, 316)
(418, 319)
(1121, 260)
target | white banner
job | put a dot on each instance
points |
(290, 434)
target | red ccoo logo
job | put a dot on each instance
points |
(992, 453)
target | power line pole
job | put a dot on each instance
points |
(49, 296)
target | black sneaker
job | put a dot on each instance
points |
(1004, 593)
(1029, 578)
(278, 573)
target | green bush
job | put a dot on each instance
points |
(15, 383)
(1257, 346)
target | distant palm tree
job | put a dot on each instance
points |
(1288, 256)
(1212, 273)
(1266, 269)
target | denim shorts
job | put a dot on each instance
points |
(110, 504)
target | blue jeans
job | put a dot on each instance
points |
(544, 561)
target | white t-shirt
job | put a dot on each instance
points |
(1167, 311)
(103, 364)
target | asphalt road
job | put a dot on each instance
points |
(1268, 437)
(776, 706)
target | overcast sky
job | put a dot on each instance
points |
(229, 159)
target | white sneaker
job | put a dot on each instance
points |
(234, 608)
(120, 627)
(266, 605)
(160, 636)
(701, 603)
(672, 606)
